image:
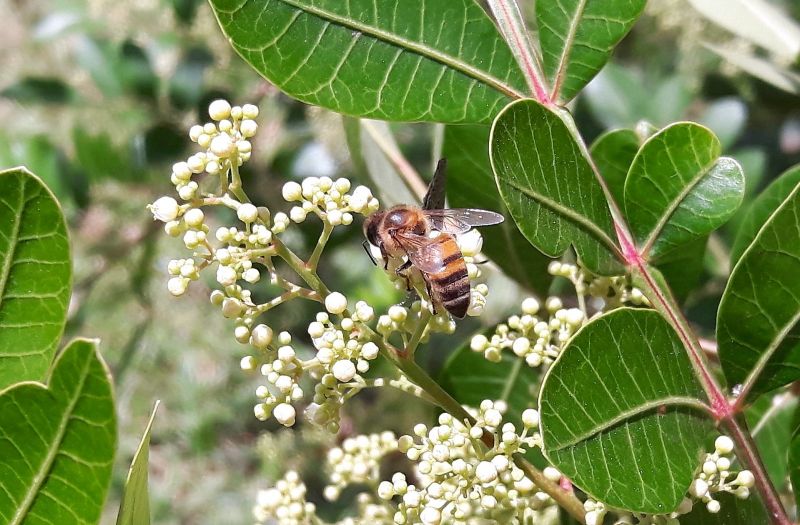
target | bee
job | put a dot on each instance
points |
(407, 231)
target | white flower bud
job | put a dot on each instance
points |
(177, 285)
(248, 128)
(530, 306)
(723, 445)
(248, 363)
(369, 351)
(226, 275)
(385, 490)
(260, 411)
(335, 303)
(292, 191)
(713, 506)
(575, 317)
(247, 213)
(530, 418)
(493, 417)
(334, 217)
(431, 516)
(485, 472)
(219, 109)
(165, 209)
(698, 488)
(344, 370)
(261, 336)
(478, 343)
(397, 313)
(194, 217)
(746, 479)
(251, 275)
(231, 308)
(723, 464)
(249, 111)
(222, 146)
(521, 346)
(297, 214)
(285, 414)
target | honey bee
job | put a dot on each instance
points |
(407, 230)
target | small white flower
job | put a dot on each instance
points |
(344, 370)
(219, 109)
(486, 472)
(723, 445)
(285, 414)
(177, 285)
(249, 111)
(226, 275)
(247, 213)
(194, 217)
(292, 191)
(470, 243)
(165, 209)
(336, 303)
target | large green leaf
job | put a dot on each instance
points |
(679, 189)
(613, 154)
(471, 184)
(733, 511)
(757, 322)
(135, 506)
(470, 379)
(549, 187)
(578, 36)
(35, 277)
(415, 60)
(761, 208)
(770, 421)
(621, 412)
(57, 442)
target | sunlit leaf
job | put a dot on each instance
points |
(415, 60)
(578, 36)
(621, 412)
(679, 189)
(35, 277)
(59, 442)
(770, 72)
(761, 208)
(549, 187)
(135, 506)
(757, 321)
(471, 185)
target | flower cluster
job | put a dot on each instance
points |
(532, 336)
(357, 460)
(286, 501)
(605, 293)
(459, 479)
(328, 199)
(715, 476)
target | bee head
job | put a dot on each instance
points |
(371, 225)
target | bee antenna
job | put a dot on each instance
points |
(365, 244)
(481, 262)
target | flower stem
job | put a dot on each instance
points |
(313, 261)
(424, 318)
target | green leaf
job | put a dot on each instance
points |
(683, 267)
(770, 72)
(470, 378)
(793, 465)
(613, 154)
(577, 38)
(99, 58)
(135, 506)
(726, 117)
(415, 60)
(59, 442)
(621, 412)
(733, 511)
(35, 277)
(99, 157)
(757, 322)
(549, 187)
(770, 421)
(761, 208)
(186, 84)
(43, 90)
(471, 185)
(679, 189)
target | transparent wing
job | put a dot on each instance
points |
(426, 255)
(461, 220)
(434, 198)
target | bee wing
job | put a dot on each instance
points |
(461, 220)
(426, 255)
(434, 198)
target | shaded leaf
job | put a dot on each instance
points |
(726, 117)
(472, 185)
(136, 72)
(186, 84)
(613, 153)
(416, 60)
(35, 277)
(549, 187)
(470, 378)
(621, 412)
(41, 90)
(793, 465)
(771, 73)
(135, 506)
(757, 330)
(577, 38)
(761, 208)
(59, 442)
(679, 189)
(683, 267)
(163, 142)
(733, 511)
(770, 421)
(99, 157)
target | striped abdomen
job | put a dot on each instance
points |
(450, 286)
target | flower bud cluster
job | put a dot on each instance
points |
(285, 502)
(328, 199)
(716, 476)
(458, 479)
(357, 461)
(400, 319)
(535, 337)
(282, 371)
(608, 292)
(342, 356)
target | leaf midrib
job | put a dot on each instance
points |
(568, 43)
(13, 241)
(647, 406)
(45, 469)
(570, 214)
(396, 40)
(673, 207)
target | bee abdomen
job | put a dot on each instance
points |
(452, 287)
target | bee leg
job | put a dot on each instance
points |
(402, 271)
(430, 296)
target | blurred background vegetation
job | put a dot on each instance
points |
(97, 97)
